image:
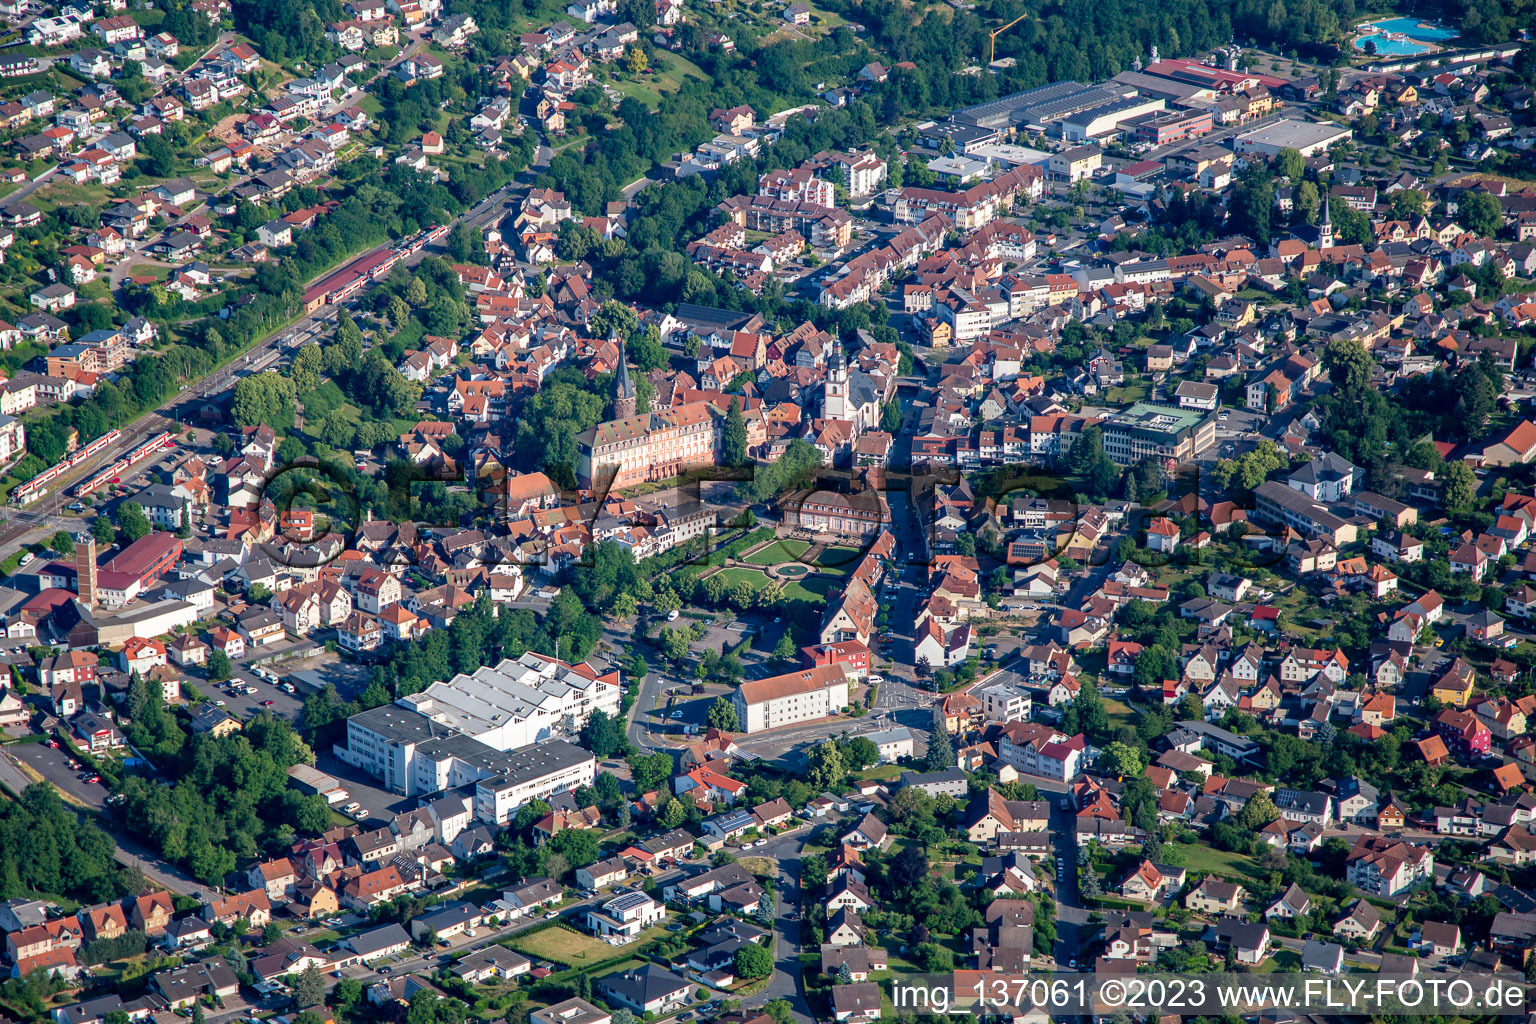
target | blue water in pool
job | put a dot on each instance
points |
(1403, 47)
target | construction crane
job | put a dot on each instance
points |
(992, 37)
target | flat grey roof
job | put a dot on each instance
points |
(516, 767)
(999, 111)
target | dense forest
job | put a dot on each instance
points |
(230, 803)
(45, 848)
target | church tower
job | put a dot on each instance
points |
(1325, 229)
(624, 398)
(834, 399)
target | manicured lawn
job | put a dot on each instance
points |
(1280, 962)
(838, 560)
(1201, 858)
(778, 551)
(754, 577)
(812, 588)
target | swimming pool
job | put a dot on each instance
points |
(1410, 27)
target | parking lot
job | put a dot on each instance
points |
(266, 695)
(54, 766)
(380, 804)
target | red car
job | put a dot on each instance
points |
(267, 703)
(53, 744)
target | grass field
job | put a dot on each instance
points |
(778, 551)
(1199, 858)
(564, 946)
(1131, 393)
(756, 578)
(574, 949)
(674, 69)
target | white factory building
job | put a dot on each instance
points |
(459, 732)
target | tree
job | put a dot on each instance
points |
(613, 318)
(781, 1010)
(824, 765)
(218, 667)
(931, 956)
(753, 961)
(675, 643)
(132, 521)
(1290, 163)
(1089, 460)
(673, 814)
(861, 752)
(733, 441)
(649, 771)
(784, 649)
(347, 993)
(102, 529)
(606, 790)
(1458, 486)
(635, 60)
(62, 543)
(1407, 203)
(603, 734)
(579, 846)
(309, 987)
(1306, 203)
(1481, 214)
(1121, 759)
(399, 313)
(1259, 811)
(263, 398)
(941, 750)
(308, 365)
(722, 716)
(1349, 366)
